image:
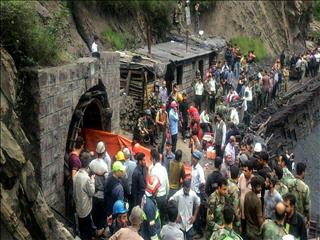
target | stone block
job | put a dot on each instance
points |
(65, 116)
(43, 79)
(52, 78)
(59, 102)
(53, 121)
(63, 75)
(43, 125)
(46, 159)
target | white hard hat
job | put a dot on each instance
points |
(257, 147)
(101, 148)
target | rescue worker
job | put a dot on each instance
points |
(151, 226)
(274, 229)
(119, 216)
(146, 127)
(130, 165)
(226, 232)
(139, 179)
(283, 162)
(216, 204)
(154, 100)
(162, 124)
(280, 187)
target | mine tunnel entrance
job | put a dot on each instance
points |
(92, 111)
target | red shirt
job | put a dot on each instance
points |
(194, 113)
(74, 162)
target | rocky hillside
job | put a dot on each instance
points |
(279, 24)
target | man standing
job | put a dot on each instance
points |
(162, 123)
(274, 229)
(171, 230)
(130, 165)
(113, 189)
(280, 187)
(283, 162)
(295, 223)
(183, 108)
(151, 225)
(253, 209)
(216, 204)
(167, 156)
(119, 216)
(213, 178)
(227, 231)
(199, 89)
(163, 92)
(161, 197)
(100, 169)
(195, 118)
(176, 173)
(139, 179)
(197, 17)
(211, 88)
(271, 197)
(173, 122)
(301, 191)
(220, 136)
(197, 179)
(188, 207)
(83, 191)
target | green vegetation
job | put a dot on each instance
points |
(317, 10)
(26, 39)
(247, 44)
(119, 40)
(158, 14)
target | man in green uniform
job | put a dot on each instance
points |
(233, 194)
(216, 204)
(226, 232)
(274, 229)
(283, 162)
(301, 191)
(280, 187)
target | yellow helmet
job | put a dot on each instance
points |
(120, 156)
(179, 97)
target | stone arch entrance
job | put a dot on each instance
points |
(92, 111)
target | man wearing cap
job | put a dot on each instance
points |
(188, 207)
(119, 216)
(138, 186)
(131, 232)
(83, 191)
(151, 226)
(173, 123)
(197, 178)
(99, 168)
(162, 123)
(114, 190)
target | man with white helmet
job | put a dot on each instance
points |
(100, 169)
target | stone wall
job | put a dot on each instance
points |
(55, 94)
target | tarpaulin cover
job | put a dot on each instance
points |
(115, 143)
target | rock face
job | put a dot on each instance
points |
(24, 212)
(278, 24)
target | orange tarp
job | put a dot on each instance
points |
(115, 143)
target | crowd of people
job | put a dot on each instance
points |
(246, 196)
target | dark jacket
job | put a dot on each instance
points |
(151, 226)
(297, 226)
(138, 184)
(212, 181)
(113, 191)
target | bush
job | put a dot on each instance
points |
(247, 44)
(25, 38)
(317, 10)
(118, 40)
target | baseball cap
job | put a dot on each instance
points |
(197, 154)
(118, 166)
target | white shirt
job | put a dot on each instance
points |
(204, 117)
(94, 47)
(198, 88)
(185, 206)
(317, 56)
(230, 150)
(107, 160)
(234, 116)
(161, 172)
(298, 63)
(212, 85)
(197, 177)
(99, 167)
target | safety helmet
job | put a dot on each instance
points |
(118, 166)
(153, 183)
(101, 147)
(120, 156)
(147, 112)
(174, 104)
(257, 147)
(179, 97)
(119, 207)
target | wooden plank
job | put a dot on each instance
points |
(128, 79)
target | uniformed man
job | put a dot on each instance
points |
(226, 232)
(154, 100)
(280, 187)
(283, 162)
(233, 194)
(146, 126)
(301, 191)
(216, 204)
(274, 229)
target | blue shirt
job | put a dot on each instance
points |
(173, 121)
(167, 158)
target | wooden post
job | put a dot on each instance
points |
(149, 39)
(187, 40)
